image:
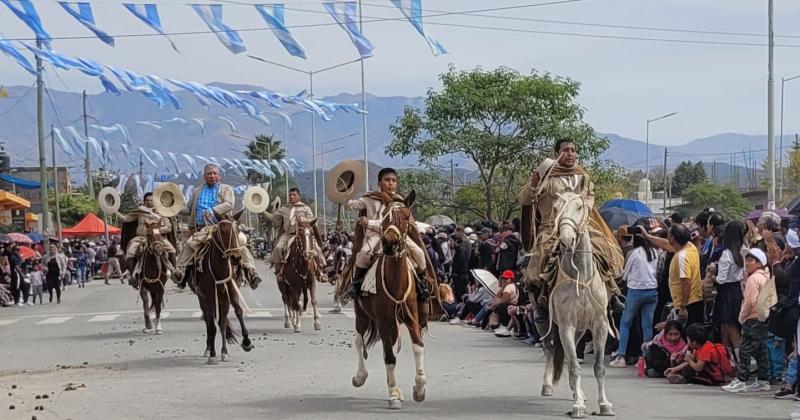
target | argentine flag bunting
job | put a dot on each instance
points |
(274, 16)
(212, 16)
(28, 15)
(148, 13)
(412, 10)
(344, 13)
(85, 16)
(8, 49)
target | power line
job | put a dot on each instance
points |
(18, 101)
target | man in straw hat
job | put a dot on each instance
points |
(144, 215)
(550, 179)
(208, 200)
(372, 209)
(285, 220)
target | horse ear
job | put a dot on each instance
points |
(237, 215)
(411, 198)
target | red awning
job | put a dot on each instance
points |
(91, 225)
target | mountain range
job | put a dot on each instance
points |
(18, 131)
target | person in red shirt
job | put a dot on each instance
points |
(701, 363)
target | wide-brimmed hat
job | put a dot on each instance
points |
(109, 200)
(276, 204)
(793, 239)
(256, 199)
(756, 253)
(344, 181)
(168, 199)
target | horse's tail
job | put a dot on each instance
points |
(230, 335)
(305, 298)
(371, 334)
(558, 354)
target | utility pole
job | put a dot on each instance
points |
(771, 111)
(452, 186)
(141, 168)
(364, 104)
(313, 147)
(665, 182)
(88, 161)
(286, 152)
(42, 155)
(55, 185)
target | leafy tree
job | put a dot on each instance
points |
(74, 207)
(724, 199)
(687, 175)
(656, 178)
(610, 180)
(503, 121)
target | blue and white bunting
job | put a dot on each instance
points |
(62, 143)
(127, 152)
(146, 157)
(202, 125)
(212, 16)
(273, 14)
(412, 10)
(174, 160)
(344, 13)
(160, 157)
(148, 13)
(84, 15)
(231, 123)
(8, 49)
(29, 16)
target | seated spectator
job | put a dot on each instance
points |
(702, 363)
(477, 299)
(507, 295)
(448, 300)
(660, 353)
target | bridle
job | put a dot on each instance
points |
(154, 247)
(562, 219)
(226, 249)
(400, 250)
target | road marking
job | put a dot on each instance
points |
(260, 314)
(165, 315)
(104, 318)
(7, 321)
(349, 314)
(197, 314)
(54, 320)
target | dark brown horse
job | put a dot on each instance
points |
(152, 277)
(300, 273)
(215, 285)
(378, 316)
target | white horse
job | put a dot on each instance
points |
(577, 303)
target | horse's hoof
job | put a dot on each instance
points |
(317, 326)
(145, 330)
(578, 412)
(395, 404)
(212, 361)
(287, 325)
(358, 381)
(207, 353)
(159, 331)
(547, 390)
(297, 329)
(247, 345)
(607, 410)
(419, 396)
(225, 357)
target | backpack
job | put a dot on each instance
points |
(726, 364)
(767, 298)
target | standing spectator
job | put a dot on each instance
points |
(91, 257)
(37, 283)
(710, 253)
(81, 265)
(485, 250)
(53, 276)
(642, 296)
(460, 267)
(507, 250)
(730, 273)
(113, 263)
(753, 331)
(15, 268)
(684, 273)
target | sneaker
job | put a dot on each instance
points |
(759, 386)
(652, 373)
(20, 304)
(520, 336)
(619, 362)
(530, 341)
(677, 379)
(784, 394)
(580, 360)
(735, 386)
(31, 304)
(456, 321)
(502, 332)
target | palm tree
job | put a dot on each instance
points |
(267, 148)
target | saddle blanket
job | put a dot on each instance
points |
(370, 284)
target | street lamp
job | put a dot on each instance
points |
(647, 154)
(780, 149)
(310, 74)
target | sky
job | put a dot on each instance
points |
(713, 88)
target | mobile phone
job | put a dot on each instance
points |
(635, 230)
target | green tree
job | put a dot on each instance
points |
(610, 180)
(724, 199)
(265, 147)
(687, 175)
(501, 120)
(74, 207)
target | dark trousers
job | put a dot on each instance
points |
(656, 358)
(54, 284)
(26, 290)
(470, 308)
(502, 312)
(460, 284)
(695, 313)
(15, 287)
(754, 332)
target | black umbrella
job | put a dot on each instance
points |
(616, 217)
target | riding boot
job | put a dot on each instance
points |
(423, 292)
(177, 277)
(358, 279)
(253, 278)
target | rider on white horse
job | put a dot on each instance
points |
(285, 220)
(549, 180)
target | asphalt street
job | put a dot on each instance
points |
(89, 359)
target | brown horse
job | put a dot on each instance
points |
(152, 277)
(395, 302)
(216, 289)
(300, 273)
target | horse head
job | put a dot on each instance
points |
(154, 236)
(305, 232)
(571, 217)
(395, 225)
(226, 234)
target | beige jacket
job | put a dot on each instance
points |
(144, 215)
(225, 202)
(283, 221)
(372, 206)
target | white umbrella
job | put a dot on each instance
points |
(439, 220)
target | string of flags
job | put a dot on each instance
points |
(344, 13)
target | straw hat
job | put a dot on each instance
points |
(256, 199)
(168, 199)
(109, 200)
(276, 204)
(344, 181)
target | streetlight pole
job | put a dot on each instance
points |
(780, 147)
(771, 109)
(647, 153)
(322, 157)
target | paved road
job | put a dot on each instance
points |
(94, 339)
